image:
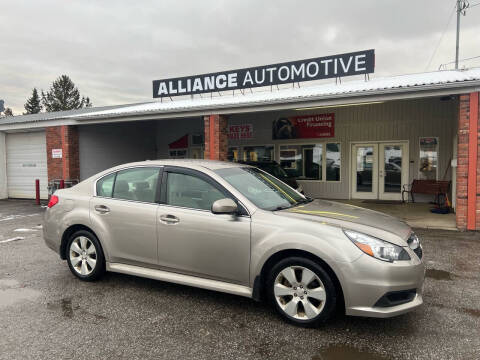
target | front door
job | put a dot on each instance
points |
(192, 239)
(379, 170)
(393, 170)
(124, 211)
(365, 171)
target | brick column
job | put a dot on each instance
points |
(468, 164)
(63, 137)
(216, 139)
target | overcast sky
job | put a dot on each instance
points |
(113, 50)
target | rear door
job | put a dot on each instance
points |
(193, 240)
(124, 211)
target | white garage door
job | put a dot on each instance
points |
(26, 161)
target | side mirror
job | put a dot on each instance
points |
(224, 206)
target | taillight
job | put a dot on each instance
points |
(53, 201)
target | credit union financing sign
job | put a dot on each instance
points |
(355, 63)
(304, 127)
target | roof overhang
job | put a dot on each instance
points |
(250, 103)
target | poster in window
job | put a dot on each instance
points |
(304, 127)
(428, 158)
(240, 132)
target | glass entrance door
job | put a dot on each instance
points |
(379, 170)
(365, 171)
(393, 173)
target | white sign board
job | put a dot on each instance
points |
(56, 153)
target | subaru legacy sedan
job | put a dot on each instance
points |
(235, 228)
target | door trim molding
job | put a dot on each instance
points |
(180, 279)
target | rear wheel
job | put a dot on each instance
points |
(85, 256)
(301, 291)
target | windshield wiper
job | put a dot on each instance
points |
(305, 201)
(283, 207)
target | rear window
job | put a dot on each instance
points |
(105, 186)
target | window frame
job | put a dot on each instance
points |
(324, 158)
(157, 194)
(196, 173)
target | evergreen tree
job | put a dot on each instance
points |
(64, 95)
(33, 104)
(8, 112)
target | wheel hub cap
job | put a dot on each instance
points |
(83, 255)
(299, 292)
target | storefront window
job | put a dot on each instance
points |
(333, 162)
(258, 153)
(428, 158)
(232, 154)
(302, 161)
(178, 154)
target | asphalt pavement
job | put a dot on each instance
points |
(46, 313)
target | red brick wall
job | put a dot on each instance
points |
(63, 137)
(216, 139)
(463, 166)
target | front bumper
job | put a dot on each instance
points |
(366, 280)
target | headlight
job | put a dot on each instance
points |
(377, 248)
(415, 244)
(413, 241)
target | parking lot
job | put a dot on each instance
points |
(45, 312)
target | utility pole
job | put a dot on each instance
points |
(462, 5)
(458, 34)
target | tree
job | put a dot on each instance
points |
(33, 104)
(8, 112)
(64, 95)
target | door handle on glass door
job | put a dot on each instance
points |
(169, 219)
(102, 209)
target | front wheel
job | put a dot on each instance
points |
(301, 291)
(85, 256)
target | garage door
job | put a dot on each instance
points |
(26, 161)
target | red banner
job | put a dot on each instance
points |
(305, 127)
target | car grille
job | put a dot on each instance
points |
(394, 298)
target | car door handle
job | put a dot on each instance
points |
(169, 219)
(102, 209)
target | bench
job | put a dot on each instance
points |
(431, 187)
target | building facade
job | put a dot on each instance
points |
(355, 140)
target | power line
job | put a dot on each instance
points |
(453, 62)
(473, 5)
(441, 38)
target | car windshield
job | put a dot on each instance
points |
(274, 169)
(261, 188)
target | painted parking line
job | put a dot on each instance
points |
(19, 216)
(12, 239)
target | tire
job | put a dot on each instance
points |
(85, 256)
(308, 303)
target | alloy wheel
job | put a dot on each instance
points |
(83, 255)
(299, 292)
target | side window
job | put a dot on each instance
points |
(105, 186)
(138, 184)
(191, 192)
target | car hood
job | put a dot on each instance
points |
(352, 217)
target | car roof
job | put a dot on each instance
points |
(191, 163)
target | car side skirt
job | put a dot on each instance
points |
(180, 279)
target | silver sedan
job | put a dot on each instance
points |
(236, 229)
